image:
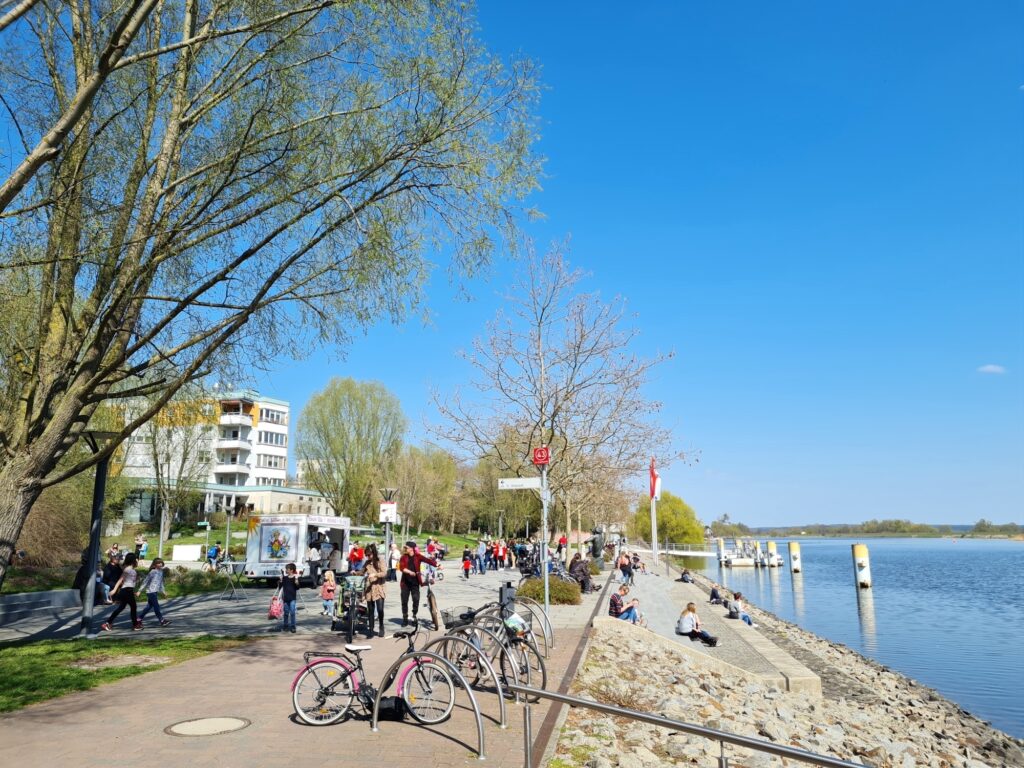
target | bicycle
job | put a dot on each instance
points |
(348, 605)
(519, 662)
(329, 684)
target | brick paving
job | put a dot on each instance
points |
(125, 720)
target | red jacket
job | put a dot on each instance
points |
(412, 562)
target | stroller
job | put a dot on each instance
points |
(350, 606)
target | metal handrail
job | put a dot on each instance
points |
(722, 737)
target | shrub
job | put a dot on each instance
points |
(560, 592)
(594, 570)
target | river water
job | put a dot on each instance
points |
(948, 613)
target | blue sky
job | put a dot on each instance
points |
(819, 207)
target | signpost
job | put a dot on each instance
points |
(388, 516)
(541, 459)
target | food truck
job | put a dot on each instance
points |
(276, 540)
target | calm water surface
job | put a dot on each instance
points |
(947, 613)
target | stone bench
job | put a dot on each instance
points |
(25, 604)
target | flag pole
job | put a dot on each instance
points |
(654, 513)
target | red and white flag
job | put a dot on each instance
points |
(655, 482)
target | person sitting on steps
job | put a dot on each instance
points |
(716, 596)
(736, 610)
(689, 625)
(621, 610)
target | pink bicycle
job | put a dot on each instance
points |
(325, 689)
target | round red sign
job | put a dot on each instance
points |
(541, 455)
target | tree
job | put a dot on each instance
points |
(203, 199)
(557, 370)
(348, 436)
(677, 522)
(178, 444)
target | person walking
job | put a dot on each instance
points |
(467, 562)
(124, 591)
(481, 551)
(394, 555)
(409, 566)
(289, 594)
(327, 592)
(376, 588)
(313, 556)
(153, 586)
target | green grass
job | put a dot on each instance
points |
(46, 669)
(23, 578)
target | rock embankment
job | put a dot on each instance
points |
(904, 726)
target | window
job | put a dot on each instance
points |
(139, 438)
(271, 462)
(273, 416)
(273, 438)
(204, 456)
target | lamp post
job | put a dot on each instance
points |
(96, 440)
(501, 520)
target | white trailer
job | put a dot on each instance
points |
(276, 540)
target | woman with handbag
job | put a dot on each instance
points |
(376, 577)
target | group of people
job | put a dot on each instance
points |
(629, 564)
(117, 582)
(405, 565)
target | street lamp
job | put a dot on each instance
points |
(501, 520)
(97, 440)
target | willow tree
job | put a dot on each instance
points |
(348, 438)
(202, 183)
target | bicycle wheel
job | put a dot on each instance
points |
(462, 657)
(529, 667)
(350, 619)
(429, 693)
(439, 575)
(323, 693)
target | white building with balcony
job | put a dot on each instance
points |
(233, 450)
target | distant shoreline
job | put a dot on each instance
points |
(807, 536)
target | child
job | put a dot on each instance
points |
(327, 591)
(467, 562)
(289, 594)
(153, 586)
(126, 586)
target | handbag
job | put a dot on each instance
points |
(276, 610)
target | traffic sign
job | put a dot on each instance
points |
(542, 455)
(388, 512)
(518, 483)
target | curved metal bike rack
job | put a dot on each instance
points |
(451, 668)
(549, 632)
(486, 662)
(542, 637)
(502, 648)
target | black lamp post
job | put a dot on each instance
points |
(97, 441)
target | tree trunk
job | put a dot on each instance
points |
(19, 489)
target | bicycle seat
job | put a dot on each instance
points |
(358, 648)
(401, 635)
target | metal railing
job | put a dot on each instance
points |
(722, 737)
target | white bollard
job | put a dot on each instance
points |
(861, 566)
(794, 557)
(773, 554)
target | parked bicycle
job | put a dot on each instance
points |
(326, 688)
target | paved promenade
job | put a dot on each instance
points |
(125, 721)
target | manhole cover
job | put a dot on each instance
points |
(207, 726)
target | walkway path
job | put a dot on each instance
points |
(124, 721)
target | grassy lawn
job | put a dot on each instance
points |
(47, 669)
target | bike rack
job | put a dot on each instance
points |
(451, 668)
(530, 603)
(482, 657)
(501, 647)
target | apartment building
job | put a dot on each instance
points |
(233, 450)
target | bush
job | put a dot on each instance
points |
(184, 581)
(594, 570)
(560, 592)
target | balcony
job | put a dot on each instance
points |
(233, 444)
(226, 468)
(235, 420)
